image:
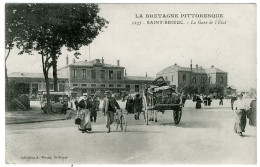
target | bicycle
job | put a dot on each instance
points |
(120, 120)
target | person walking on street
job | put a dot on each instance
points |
(94, 108)
(233, 99)
(205, 100)
(109, 108)
(209, 100)
(221, 100)
(84, 114)
(129, 105)
(183, 99)
(198, 102)
(251, 115)
(138, 104)
(240, 107)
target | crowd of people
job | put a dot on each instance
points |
(87, 107)
(134, 105)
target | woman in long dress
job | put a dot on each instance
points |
(84, 114)
(240, 106)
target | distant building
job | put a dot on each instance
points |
(197, 80)
(81, 77)
(32, 83)
(90, 76)
(231, 90)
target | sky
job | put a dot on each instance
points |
(150, 48)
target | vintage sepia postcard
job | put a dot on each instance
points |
(153, 84)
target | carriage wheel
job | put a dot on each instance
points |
(123, 123)
(177, 115)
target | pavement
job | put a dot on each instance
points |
(203, 136)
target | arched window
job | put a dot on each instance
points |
(166, 78)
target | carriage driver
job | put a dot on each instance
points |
(109, 108)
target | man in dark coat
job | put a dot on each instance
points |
(109, 108)
(138, 104)
(94, 108)
(129, 105)
(221, 100)
(198, 102)
(209, 100)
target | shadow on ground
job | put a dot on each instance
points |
(194, 124)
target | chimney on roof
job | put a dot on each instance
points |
(118, 63)
(191, 65)
(125, 72)
(175, 64)
(74, 61)
(197, 67)
(145, 74)
(86, 60)
(102, 60)
(67, 60)
(212, 66)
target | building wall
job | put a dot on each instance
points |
(202, 81)
(171, 77)
(91, 71)
(221, 79)
(31, 86)
(212, 78)
(184, 78)
(114, 82)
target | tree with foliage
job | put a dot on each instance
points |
(188, 89)
(50, 27)
(219, 89)
(15, 35)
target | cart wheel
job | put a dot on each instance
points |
(145, 110)
(177, 116)
(123, 123)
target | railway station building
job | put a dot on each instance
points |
(81, 77)
(202, 80)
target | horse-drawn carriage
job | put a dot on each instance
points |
(160, 97)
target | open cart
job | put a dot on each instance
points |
(161, 97)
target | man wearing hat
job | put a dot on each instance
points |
(109, 108)
(94, 108)
(138, 105)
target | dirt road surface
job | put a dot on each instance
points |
(203, 136)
